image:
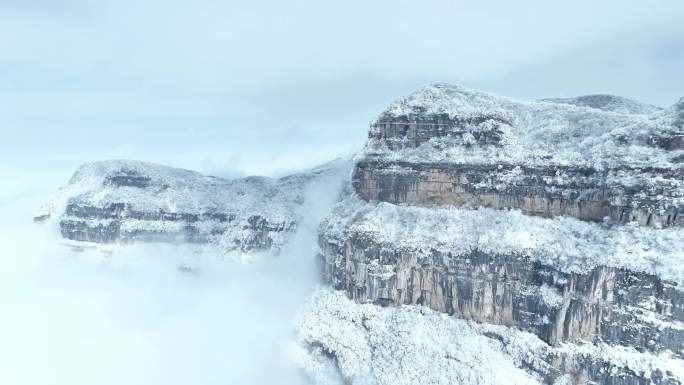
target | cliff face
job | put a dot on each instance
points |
(563, 219)
(130, 201)
(563, 279)
(449, 145)
(549, 191)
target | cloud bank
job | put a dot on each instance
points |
(127, 315)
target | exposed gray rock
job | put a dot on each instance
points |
(589, 255)
(446, 144)
(128, 201)
(648, 196)
(609, 304)
(562, 279)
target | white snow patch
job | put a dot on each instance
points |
(396, 346)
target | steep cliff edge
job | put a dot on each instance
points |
(446, 144)
(560, 219)
(562, 279)
(127, 201)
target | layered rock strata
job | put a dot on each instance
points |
(564, 280)
(548, 191)
(446, 144)
(560, 218)
(128, 201)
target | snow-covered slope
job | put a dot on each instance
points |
(342, 342)
(124, 200)
(526, 133)
(448, 144)
(608, 103)
(561, 220)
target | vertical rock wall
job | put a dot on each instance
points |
(614, 305)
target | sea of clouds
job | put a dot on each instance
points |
(127, 315)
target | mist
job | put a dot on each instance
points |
(128, 315)
(252, 85)
(233, 88)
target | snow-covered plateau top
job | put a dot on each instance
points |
(567, 244)
(608, 103)
(150, 187)
(595, 131)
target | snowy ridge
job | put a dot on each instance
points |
(534, 133)
(151, 187)
(567, 244)
(608, 103)
(342, 342)
(124, 200)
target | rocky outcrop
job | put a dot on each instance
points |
(560, 218)
(131, 201)
(549, 191)
(448, 145)
(563, 281)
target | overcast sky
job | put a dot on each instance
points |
(264, 86)
(230, 88)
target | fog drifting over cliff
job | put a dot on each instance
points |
(233, 88)
(131, 317)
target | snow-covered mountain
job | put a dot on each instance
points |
(562, 221)
(452, 145)
(479, 240)
(125, 201)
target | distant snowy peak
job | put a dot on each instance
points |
(609, 103)
(149, 186)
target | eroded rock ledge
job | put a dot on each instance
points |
(562, 219)
(581, 192)
(130, 201)
(446, 144)
(563, 280)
